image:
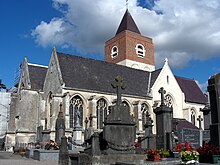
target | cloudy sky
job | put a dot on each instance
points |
(187, 32)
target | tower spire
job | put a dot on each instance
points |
(127, 23)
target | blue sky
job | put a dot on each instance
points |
(185, 32)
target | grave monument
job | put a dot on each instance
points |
(163, 124)
(148, 141)
(214, 90)
(60, 128)
(119, 128)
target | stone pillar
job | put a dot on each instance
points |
(215, 112)
(63, 153)
(163, 124)
(92, 110)
(60, 128)
(138, 115)
(66, 101)
(95, 144)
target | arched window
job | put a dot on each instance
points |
(101, 112)
(114, 51)
(193, 117)
(76, 112)
(140, 51)
(144, 111)
(168, 101)
(124, 103)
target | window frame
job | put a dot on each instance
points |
(140, 50)
(114, 53)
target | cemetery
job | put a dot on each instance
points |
(117, 144)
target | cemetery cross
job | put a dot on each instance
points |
(162, 92)
(200, 119)
(119, 85)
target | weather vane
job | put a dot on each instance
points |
(127, 4)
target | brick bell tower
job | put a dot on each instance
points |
(129, 48)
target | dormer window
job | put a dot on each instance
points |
(114, 51)
(140, 51)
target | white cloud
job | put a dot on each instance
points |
(185, 30)
(202, 86)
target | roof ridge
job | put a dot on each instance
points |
(184, 78)
(38, 65)
(108, 63)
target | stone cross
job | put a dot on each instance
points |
(90, 120)
(119, 85)
(200, 119)
(162, 92)
(86, 122)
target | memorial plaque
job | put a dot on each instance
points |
(206, 135)
(189, 135)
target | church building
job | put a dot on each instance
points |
(72, 84)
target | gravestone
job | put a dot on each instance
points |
(148, 140)
(119, 128)
(60, 128)
(214, 90)
(200, 119)
(163, 124)
(192, 136)
(46, 133)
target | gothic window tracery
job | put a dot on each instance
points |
(168, 101)
(140, 51)
(75, 111)
(101, 111)
(114, 51)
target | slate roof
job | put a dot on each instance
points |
(127, 23)
(183, 123)
(191, 90)
(88, 74)
(37, 76)
(154, 76)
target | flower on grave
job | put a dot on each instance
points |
(152, 152)
(187, 153)
(182, 147)
(208, 150)
(178, 147)
(52, 145)
(164, 153)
